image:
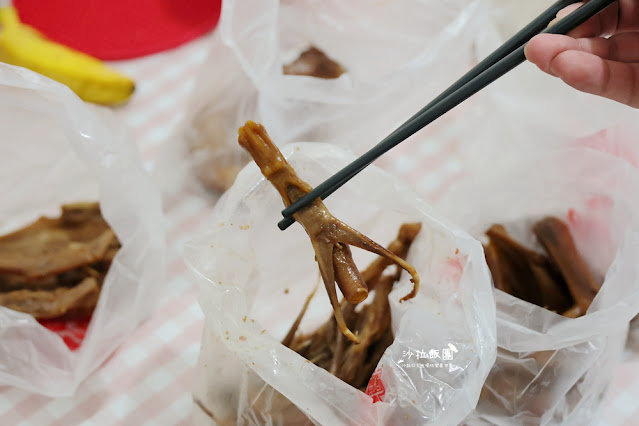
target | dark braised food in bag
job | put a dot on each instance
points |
(314, 63)
(326, 347)
(559, 280)
(214, 161)
(55, 267)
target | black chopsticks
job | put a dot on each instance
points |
(504, 59)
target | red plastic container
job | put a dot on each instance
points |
(119, 29)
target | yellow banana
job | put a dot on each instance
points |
(87, 76)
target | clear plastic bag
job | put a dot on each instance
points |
(254, 279)
(553, 370)
(396, 55)
(619, 141)
(56, 149)
(530, 149)
(527, 93)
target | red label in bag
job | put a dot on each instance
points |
(375, 386)
(72, 332)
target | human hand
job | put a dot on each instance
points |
(588, 61)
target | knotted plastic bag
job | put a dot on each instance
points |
(550, 369)
(396, 57)
(55, 150)
(255, 278)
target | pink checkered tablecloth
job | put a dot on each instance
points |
(148, 380)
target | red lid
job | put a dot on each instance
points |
(120, 29)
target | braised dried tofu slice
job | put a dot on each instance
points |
(77, 301)
(314, 63)
(51, 246)
(329, 236)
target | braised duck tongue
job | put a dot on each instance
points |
(73, 302)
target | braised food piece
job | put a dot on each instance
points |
(574, 312)
(314, 63)
(512, 274)
(407, 234)
(13, 282)
(552, 286)
(499, 235)
(559, 281)
(79, 213)
(524, 273)
(494, 264)
(517, 382)
(330, 237)
(55, 266)
(73, 302)
(51, 246)
(351, 362)
(354, 363)
(554, 235)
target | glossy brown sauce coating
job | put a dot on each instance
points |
(328, 235)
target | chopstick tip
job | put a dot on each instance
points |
(285, 223)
